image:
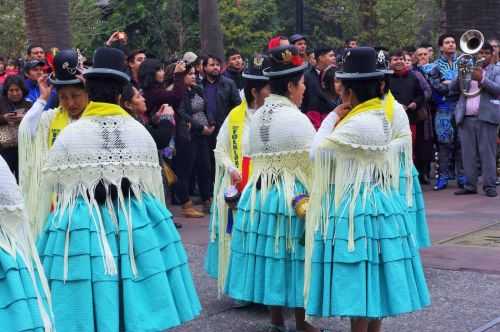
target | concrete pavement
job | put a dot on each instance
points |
(462, 269)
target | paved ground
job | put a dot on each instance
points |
(464, 280)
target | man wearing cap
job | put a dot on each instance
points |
(39, 128)
(110, 245)
(33, 71)
(315, 104)
(235, 66)
(134, 61)
(300, 42)
(233, 166)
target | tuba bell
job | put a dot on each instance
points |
(471, 43)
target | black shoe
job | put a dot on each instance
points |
(465, 192)
(491, 193)
(423, 179)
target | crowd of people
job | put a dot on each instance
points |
(340, 138)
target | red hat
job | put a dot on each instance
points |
(274, 42)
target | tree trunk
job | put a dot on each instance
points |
(210, 28)
(47, 23)
(368, 20)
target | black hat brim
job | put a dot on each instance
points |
(56, 82)
(107, 73)
(286, 72)
(255, 77)
(358, 76)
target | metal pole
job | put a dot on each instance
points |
(299, 16)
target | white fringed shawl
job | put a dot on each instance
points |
(101, 149)
(280, 136)
(15, 239)
(356, 154)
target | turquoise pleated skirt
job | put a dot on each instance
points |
(19, 310)
(382, 277)
(212, 255)
(160, 297)
(263, 268)
(416, 211)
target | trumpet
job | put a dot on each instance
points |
(471, 43)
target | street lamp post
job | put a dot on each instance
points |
(299, 16)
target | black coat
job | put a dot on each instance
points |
(406, 89)
(228, 97)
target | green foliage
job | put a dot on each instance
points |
(249, 25)
(170, 27)
(12, 29)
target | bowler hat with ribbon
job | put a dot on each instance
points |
(254, 69)
(359, 64)
(284, 61)
(66, 68)
(108, 63)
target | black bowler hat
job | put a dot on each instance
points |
(359, 64)
(108, 63)
(284, 61)
(295, 38)
(254, 69)
(66, 66)
(383, 62)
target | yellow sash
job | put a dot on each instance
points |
(369, 105)
(389, 102)
(60, 121)
(236, 125)
(103, 109)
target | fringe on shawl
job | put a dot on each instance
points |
(281, 170)
(16, 240)
(401, 154)
(33, 152)
(341, 172)
(218, 220)
(143, 179)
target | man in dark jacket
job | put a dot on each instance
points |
(221, 95)
(235, 67)
(315, 104)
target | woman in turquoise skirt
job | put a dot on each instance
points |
(233, 166)
(25, 303)
(362, 261)
(401, 149)
(112, 255)
(266, 264)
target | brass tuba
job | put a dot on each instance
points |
(471, 43)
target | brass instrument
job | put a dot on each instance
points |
(471, 43)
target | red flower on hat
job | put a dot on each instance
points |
(297, 60)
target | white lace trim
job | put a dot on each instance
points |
(102, 150)
(16, 240)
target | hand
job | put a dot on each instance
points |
(45, 88)
(207, 131)
(447, 82)
(166, 112)
(235, 177)
(112, 38)
(11, 118)
(477, 74)
(342, 110)
(180, 67)
(412, 106)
